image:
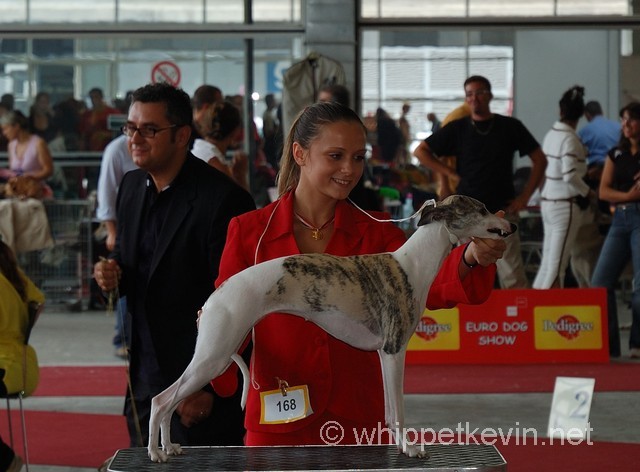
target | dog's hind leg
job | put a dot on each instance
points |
(393, 378)
(162, 407)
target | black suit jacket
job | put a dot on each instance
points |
(185, 263)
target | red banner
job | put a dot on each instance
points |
(516, 327)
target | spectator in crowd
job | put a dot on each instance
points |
(484, 144)
(203, 98)
(565, 195)
(43, 123)
(599, 136)
(221, 126)
(620, 186)
(435, 122)
(8, 101)
(94, 130)
(388, 137)
(405, 133)
(28, 153)
(172, 216)
(18, 362)
(271, 133)
(335, 93)
(68, 113)
(116, 161)
(322, 161)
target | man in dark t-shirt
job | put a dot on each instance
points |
(484, 144)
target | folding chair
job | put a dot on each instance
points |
(34, 312)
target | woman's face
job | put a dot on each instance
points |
(10, 131)
(630, 126)
(334, 162)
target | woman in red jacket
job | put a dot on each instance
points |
(322, 161)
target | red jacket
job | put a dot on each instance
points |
(341, 379)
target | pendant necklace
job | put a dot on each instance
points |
(486, 131)
(316, 233)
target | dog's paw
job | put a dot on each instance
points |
(156, 455)
(415, 450)
(172, 449)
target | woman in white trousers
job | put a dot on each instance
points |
(565, 193)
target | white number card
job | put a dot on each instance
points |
(277, 408)
(569, 418)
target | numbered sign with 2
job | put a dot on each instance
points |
(570, 407)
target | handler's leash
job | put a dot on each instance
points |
(394, 220)
(113, 298)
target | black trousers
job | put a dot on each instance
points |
(223, 427)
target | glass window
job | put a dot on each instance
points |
(590, 7)
(412, 8)
(477, 8)
(511, 8)
(276, 10)
(398, 67)
(71, 11)
(160, 11)
(13, 11)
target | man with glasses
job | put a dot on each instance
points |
(172, 217)
(484, 144)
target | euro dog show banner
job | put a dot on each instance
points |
(516, 327)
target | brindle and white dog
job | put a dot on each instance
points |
(372, 302)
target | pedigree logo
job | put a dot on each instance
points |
(568, 327)
(437, 330)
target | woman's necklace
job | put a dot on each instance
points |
(316, 233)
(485, 131)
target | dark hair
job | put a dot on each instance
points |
(304, 130)
(206, 95)
(220, 120)
(15, 117)
(339, 93)
(593, 108)
(633, 110)
(9, 268)
(572, 103)
(177, 101)
(478, 78)
(96, 91)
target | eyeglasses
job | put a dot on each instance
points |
(477, 93)
(145, 131)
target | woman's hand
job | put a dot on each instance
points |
(485, 251)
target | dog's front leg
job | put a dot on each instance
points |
(393, 375)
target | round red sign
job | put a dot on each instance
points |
(166, 71)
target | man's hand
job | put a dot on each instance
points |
(107, 274)
(195, 408)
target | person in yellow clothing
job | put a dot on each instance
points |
(18, 361)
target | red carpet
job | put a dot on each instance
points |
(68, 439)
(85, 440)
(614, 377)
(82, 381)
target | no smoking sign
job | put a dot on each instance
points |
(166, 71)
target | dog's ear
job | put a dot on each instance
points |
(431, 213)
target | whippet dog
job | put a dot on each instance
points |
(372, 302)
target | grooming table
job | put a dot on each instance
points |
(443, 458)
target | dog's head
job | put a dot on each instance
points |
(466, 218)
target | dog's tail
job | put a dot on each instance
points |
(245, 378)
